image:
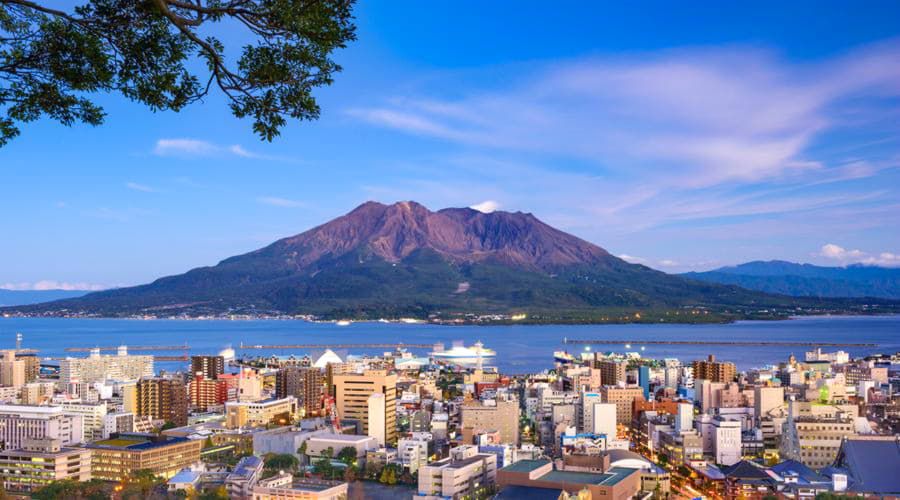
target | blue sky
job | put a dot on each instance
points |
(685, 138)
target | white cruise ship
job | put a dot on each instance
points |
(459, 351)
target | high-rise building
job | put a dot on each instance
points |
(162, 399)
(32, 366)
(767, 399)
(20, 422)
(205, 392)
(210, 366)
(12, 370)
(376, 413)
(612, 372)
(490, 415)
(727, 441)
(714, 371)
(99, 367)
(586, 403)
(644, 380)
(623, 397)
(352, 393)
(92, 415)
(305, 384)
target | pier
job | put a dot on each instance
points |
(721, 342)
(131, 348)
(335, 346)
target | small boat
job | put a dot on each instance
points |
(343, 322)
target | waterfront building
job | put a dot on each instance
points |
(21, 422)
(122, 455)
(209, 366)
(352, 393)
(465, 473)
(39, 462)
(99, 367)
(162, 399)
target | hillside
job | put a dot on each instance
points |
(807, 280)
(405, 260)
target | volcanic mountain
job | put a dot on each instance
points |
(405, 260)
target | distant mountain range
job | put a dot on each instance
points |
(24, 297)
(807, 280)
(405, 260)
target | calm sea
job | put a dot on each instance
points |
(520, 348)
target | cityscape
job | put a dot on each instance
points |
(425, 250)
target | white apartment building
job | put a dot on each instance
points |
(462, 474)
(727, 442)
(20, 422)
(412, 452)
(92, 415)
(100, 367)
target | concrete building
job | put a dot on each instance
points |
(613, 483)
(20, 422)
(122, 455)
(412, 452)
(285, 486)
(118, 423)
(623, 398)
(466, 473)
(162, 399)
(766, 400)
(12, 370)
(259, 414)
(244, 386)
(820, 439)
(586, 402)
(209, 366)
(727, 441)
(317, 444)
(38, 393)
(612, 372)
(377, 413)
(305, 384)
(92, 415)
(684, 417)
(714, 371)
(491, 415)
(206, 392)
(352, 393)
(99, 367)
(281, 440)
(41, 461)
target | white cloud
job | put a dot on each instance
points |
(631, 259)
(280, 202)
(886, 259)
(832, 251)
(52, 285)
(139, 187)
(486, 206)
(667, 263)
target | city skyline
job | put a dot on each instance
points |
(714, 139)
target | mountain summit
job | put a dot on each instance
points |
(403, 259)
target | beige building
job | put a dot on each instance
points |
(623, 397)
(41, 461)
(122, 455)
(714, 371)
(38, 393)
(21, 422)
(352, 392)
(463, 475)
(611, 372)
(99, 367)
(767, 401)
(92, 417)
(258, 414)
(491, 415)
(820, 439)
(12, 370)
(285, 486)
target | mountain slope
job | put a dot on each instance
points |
(403, 259)
(807, 280)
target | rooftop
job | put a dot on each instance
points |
(608, 478)
(136, 442)
(350, 438)
(526, 465)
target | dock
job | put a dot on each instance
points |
(721, 342)
(131, 348)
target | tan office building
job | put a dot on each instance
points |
(122, 455)
(491, 415)
(612, 372)
(41, 461)
(258, 414)
(820, 439)
(623, 397)
(352, 392)
(714, 371)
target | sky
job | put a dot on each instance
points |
(684, 137)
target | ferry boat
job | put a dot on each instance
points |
(459, 351)
(563, 357)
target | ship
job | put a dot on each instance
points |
(563, 357)
(459, 351)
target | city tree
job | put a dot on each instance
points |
(166, 54)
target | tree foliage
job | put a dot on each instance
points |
(94, 489)
(284, 461)
(163, 54)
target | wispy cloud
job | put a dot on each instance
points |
(280, 202)
(684, 118)
(52, 285)
(140, 187)
(186, 147)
